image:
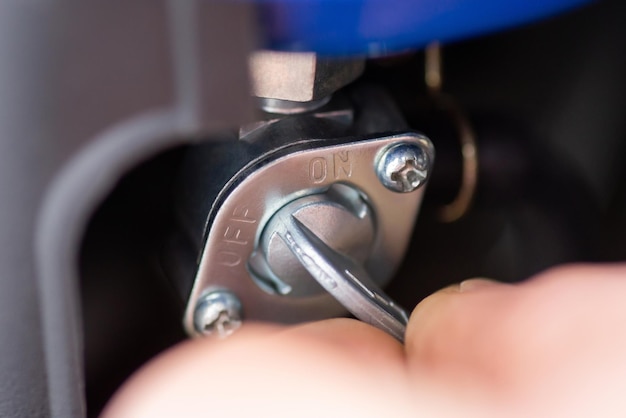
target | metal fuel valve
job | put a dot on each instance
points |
(312, 208)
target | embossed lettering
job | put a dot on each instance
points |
(242, 214)
(318, 170)
(228, 258)
(233, 236)
(343, 164)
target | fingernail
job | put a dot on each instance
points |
(476, 284)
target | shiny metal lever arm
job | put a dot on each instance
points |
(345, 280)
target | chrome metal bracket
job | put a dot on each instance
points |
(246, 205)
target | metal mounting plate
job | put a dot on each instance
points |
(238, 222)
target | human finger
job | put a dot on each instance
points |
(546, 341)
(273, 371)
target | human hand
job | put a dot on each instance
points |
(554, 345)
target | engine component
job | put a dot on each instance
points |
(301, 77)
(346, 280)
(340, 217)
(403, 168)
(245, 210)
(342, 172)
(218, 312)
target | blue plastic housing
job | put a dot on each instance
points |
(377, 27)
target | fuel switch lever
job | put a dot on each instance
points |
(344, 279)
(296, 259)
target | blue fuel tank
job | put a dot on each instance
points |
(377, 27)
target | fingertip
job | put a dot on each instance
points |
(448, 315)
(427, 309)
(425, 318)
(477, 284)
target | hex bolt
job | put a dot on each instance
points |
(403, 167)
(218, 313)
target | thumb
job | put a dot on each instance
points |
(555, 341)
(451, 333)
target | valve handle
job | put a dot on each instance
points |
(344, 279)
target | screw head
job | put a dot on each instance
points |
(403, 167)
(218, 313)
